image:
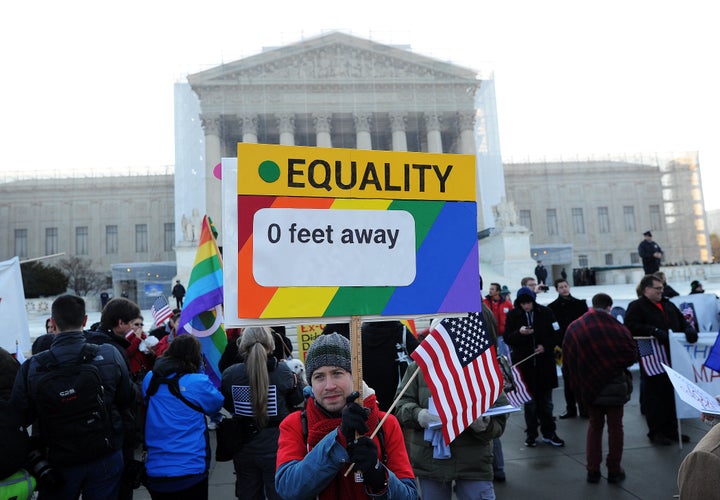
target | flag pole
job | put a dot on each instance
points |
(387, 413)
(356, 353)
(523, 360)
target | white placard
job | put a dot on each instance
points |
(310, 247)
(692, 394)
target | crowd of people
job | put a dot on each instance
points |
(308, 433)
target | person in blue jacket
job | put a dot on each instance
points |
(178, 447)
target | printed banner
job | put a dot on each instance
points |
(687, 360)
(13, 314)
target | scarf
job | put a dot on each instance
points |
(320, 423)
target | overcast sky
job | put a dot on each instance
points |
(90, 84)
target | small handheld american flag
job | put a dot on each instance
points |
(160, 310)
(521, 394)
(652, 356)
(460, 367)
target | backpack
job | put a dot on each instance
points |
(173, 384)
(75, 423)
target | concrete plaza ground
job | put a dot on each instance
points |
(545, 472)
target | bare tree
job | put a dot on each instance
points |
(82, 278)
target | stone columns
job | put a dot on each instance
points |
(466, 119)
(434, 139)
(248, 122)
(286, 125)
(322, 129)
(399, 137)
(362, 130)
(212, 126)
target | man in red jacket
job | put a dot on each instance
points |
(317, 445)
(499, 306)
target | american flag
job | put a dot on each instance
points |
(652, 354)
(160, 310)
(460, 366)
(521, 394)
(242, 401)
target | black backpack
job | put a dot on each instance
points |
(75, 423)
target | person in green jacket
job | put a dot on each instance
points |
(470, 464)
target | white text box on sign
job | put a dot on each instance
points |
(309, 247)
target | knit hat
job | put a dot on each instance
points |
(328, 350)
(695, 285)
(525, 291)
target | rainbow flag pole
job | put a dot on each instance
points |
(202, 314)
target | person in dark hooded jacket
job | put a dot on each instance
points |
(386, 346)
(115, 323)
(532, 330)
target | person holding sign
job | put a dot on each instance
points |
(317, 446)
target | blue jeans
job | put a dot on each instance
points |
(98, 480)
(464, 489)
(498, 457)
(540, 407)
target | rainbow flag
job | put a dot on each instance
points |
(202, 313)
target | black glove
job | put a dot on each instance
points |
(354, 417)
(364, 454)
(690, 334)
(659, 334)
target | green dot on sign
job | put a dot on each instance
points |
(269, 171)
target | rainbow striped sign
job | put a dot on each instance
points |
(343, 232)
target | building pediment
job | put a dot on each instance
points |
(333, 58)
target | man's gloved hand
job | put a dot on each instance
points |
(660, 334)
(690, 334)
(354, 417)
(480, 424)
(425, 418)
(364, 454)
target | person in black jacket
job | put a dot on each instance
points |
(668, 291)
(541, 273)
(531, 330)
(260, 392)
(652, 315)
(97, 475)
(386, 346)
(115, 323)
(567, 309)
(178, 292)
(650, 253)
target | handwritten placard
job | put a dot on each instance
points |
(692, 394)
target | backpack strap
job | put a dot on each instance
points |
(47, 359)
(174, 388)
